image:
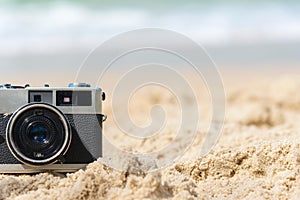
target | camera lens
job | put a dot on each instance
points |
(38, 134)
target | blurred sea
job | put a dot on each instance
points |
(57, 35)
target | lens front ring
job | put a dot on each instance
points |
(15, 133)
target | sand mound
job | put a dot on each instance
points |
(268, 169)
(260, 114)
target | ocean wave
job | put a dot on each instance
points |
(60, 26)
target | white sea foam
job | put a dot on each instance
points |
(61, 26)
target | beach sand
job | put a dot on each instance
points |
(256, 157)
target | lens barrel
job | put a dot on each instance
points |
(38, 134)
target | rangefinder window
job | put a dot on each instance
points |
(37, 98)
(40, 96)
(74, 98)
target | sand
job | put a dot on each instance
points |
(256, 157)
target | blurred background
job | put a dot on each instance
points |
(46, 41)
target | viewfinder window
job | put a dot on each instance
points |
(73, 98)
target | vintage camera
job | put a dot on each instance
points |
(50, 128)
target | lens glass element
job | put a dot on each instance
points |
(39, 134)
